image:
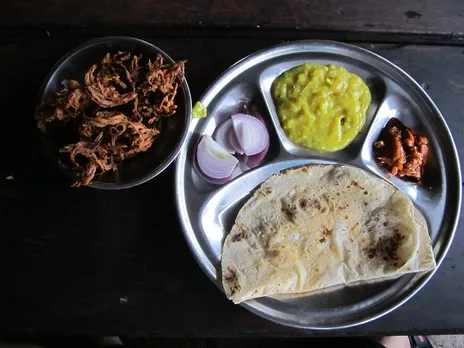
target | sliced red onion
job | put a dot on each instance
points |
(213, 160)
(254, 160)
(236, 172)
(234, 142)
(222, 135)
(251, 133)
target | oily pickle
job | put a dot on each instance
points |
(322, 107)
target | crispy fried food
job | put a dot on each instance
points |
(92, 126)
(106, 138)
(401, 151)
(64, 105)
(142, 137)
(122, 137)
(94, 159)
(138, 95)
(155, 97)
(110, 84)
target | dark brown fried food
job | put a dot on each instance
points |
(94, 160)
(64, 105)
(92, 126)
(141, 136)
(155, 97)
(135, 70)
(107, 137)
(138, 94)
(402, 152)
(122, 136)
(110, 84)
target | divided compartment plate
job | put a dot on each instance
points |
(207, 211)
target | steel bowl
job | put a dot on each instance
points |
(138, 168)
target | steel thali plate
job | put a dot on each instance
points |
(207, 211)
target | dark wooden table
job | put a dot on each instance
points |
(86, 261)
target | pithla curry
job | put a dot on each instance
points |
(322, 107)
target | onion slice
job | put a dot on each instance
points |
(254, 160)
(234, 142)
(222, 136)
(236, 172)
(214, 161)
(251, 133)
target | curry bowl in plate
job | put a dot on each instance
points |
(321, 107)
(370, 77)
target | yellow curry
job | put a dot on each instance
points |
(321, 107)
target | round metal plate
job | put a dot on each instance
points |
(207, 212)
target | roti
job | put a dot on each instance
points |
(319, 226)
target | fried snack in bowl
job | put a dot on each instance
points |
(114, 110)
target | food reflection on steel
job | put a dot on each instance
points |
(115, 115)
(399, 150)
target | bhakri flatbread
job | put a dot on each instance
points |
(319, 226)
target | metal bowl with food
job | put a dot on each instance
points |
(114, 112)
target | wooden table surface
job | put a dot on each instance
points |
(87, 261)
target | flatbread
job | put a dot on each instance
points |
(318, 226)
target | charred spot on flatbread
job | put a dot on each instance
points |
(386, 248)
(230, 277)
(240, 234)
